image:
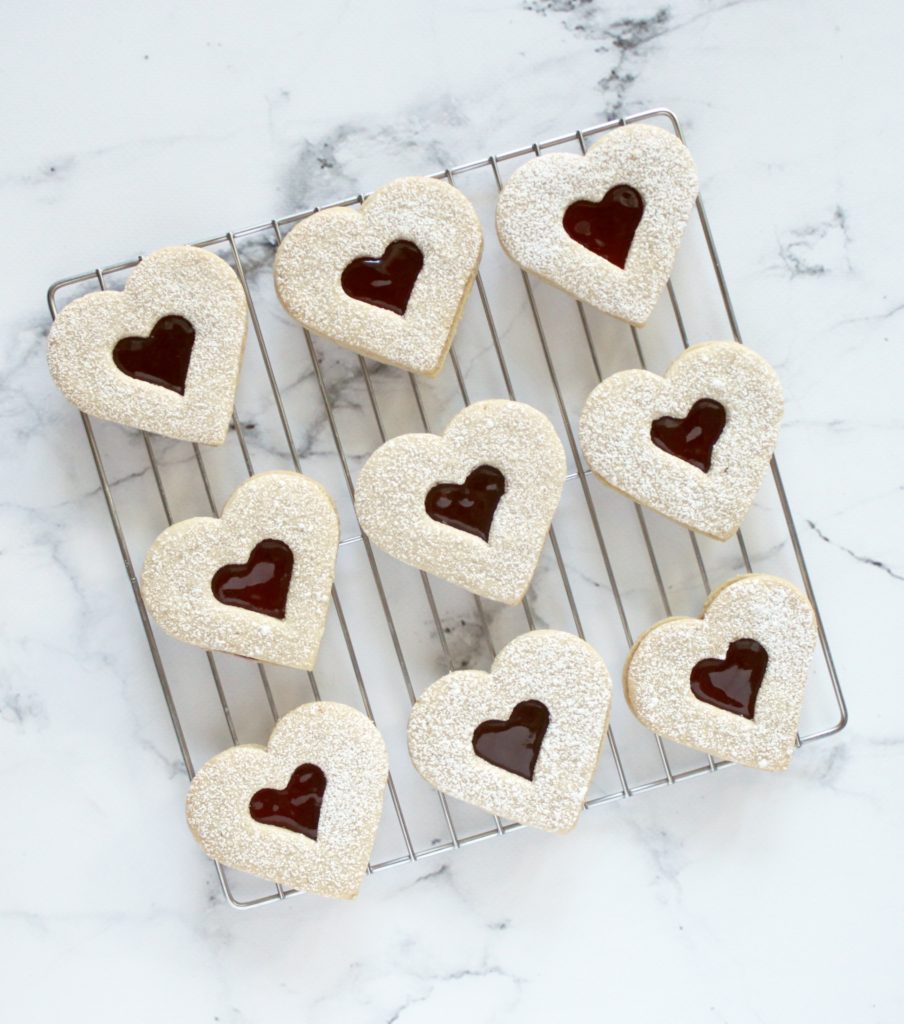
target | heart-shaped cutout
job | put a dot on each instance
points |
(694, 436)
(693, 445)
(567, 218)
(321, 748)
(164, 354)
(296, 806)
(396, 482)
(162, 357)
(469, 506)
(606, 228)
(514, 744)
(289, 524)
(733, 682)
(385, 281)
(261, 584)
(694, 680)
(409, 322)
(540, 714)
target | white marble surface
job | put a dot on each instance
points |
(736, 898)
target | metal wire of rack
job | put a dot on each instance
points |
(638, 576)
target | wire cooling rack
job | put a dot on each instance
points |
(610, 569)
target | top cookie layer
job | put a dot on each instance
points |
(178, 281)
(533, 203)
(438, 219)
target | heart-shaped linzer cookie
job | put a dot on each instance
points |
(388, 280)
(732, 683)
(302, 811)
(523, 740)
(604, 227)
(693, 445)
(164, 354)
(472, 505)
(255, 582)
